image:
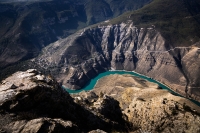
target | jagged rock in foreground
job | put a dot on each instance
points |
(32, 102)
(147, 107)
(80, 57)
(42, 125)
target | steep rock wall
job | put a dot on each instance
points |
(81, 56)
(28, 26)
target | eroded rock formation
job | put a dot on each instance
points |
(32, 102)
(28, 26)
(83, 55)
(147, 107)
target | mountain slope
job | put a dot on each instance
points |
(179, 20)
(125, 44)
(33, 102)
(27, 27)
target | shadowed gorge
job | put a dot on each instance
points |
(122, 47)
(33, 102)
(47, 46)
(28, 26)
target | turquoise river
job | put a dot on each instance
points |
(93, 81)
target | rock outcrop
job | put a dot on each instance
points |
(83, 55)
(43, 125)
(28, 26)
(32, 102)
(147, 107)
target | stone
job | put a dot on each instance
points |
(13, 86)
(123, 47)
(118, 103)
(44, 106)
(148, 108)
(41, 125)
(97, 131)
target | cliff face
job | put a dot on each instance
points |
(146, 107)
(81, 56)
(33, 102)
(28, 26)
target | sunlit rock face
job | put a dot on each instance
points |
(33, 102)
(83, 55)
(147, 107)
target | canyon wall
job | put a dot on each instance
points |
(83, 55)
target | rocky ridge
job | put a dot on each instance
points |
(81, 56)
(27, 26)
(145, 105)
(118, 103)
(32, 102)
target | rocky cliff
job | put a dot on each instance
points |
(33, 102)
(29, 25)
(148, 107)
(83, 55)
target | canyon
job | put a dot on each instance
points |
(33, 102)
(142, 41)
(81, 56)
(64, 44)
(28, 26)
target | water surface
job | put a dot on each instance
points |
(93, 82)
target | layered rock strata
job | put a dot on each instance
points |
(28, 26)
(83, 55)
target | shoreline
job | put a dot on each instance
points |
(133, 73)
(113, 70)
(149, 78)
(158, 82)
